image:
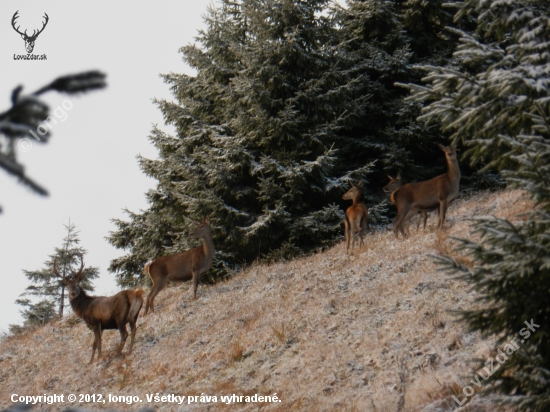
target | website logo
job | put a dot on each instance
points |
(29, 40)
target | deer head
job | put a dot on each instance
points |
(72, 283)
(202, 229)
(29, 40)
(354, 192)
(394, 184)
(450, 151)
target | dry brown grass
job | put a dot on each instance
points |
(327, 332)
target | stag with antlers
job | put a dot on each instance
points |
(100, 312)
(29, 40)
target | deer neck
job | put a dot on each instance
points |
(453, 170)
(357, 199)
(80, 303)
(208, 246)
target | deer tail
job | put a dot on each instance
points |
(147, 266)
(136, 302)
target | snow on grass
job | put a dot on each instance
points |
(325, 332)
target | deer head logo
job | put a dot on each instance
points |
(29, 40)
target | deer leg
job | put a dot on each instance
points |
(196, 278)
(132, 335)
(157, 287)
(94, 346)
(397, 223)
(443, 210)
(123, 336)
(99, 336)
(363, 231)
(97, 342)
(395, 228)
(407, 217)
(422, 215)
(404, 230)
(346, 232)
(359, 230)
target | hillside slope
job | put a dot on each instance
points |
(326, 332)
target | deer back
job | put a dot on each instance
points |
(421, 195)
(174, 267)
(357, 211)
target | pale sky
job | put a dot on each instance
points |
(89, 166)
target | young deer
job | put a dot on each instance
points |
(357, 215)
(428, 195)
(100, 312)
(394, 184)
(181, 267)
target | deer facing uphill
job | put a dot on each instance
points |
(189, 265)
(357, 215)
(100, 312)
(428, 195)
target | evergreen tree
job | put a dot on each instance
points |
(497, 100)
(262, 143)
(36, 314)
(45, 283)
(385, 39)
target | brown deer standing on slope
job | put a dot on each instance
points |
(181, 267)
(100, 312)
(428, 195)
(357, 215)
(394, 184)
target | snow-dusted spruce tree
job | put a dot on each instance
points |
(498, 102)
(46, 285)
(261, 144)
(27, 114)
(384, 39)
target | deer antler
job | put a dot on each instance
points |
(55, 271)
(15, 16)
(34, 34)
(77, 275)
(43, 26)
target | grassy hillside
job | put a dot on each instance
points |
(328, 332)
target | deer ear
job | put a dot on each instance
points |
(391, 178)
(360, 184)
(207, 219)
(351, 183)
(441, 146)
